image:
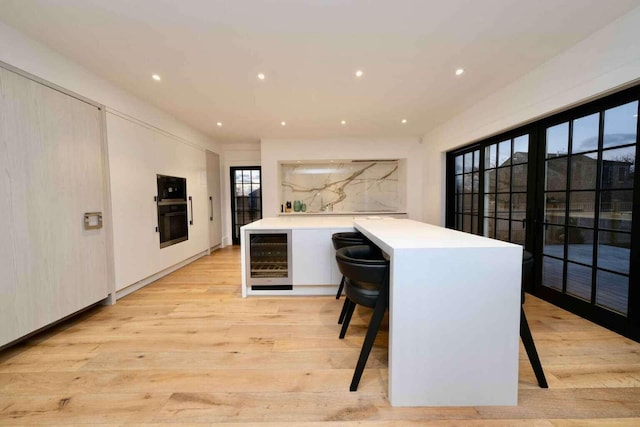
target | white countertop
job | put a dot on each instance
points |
(387, 232)
(390, 234)
(354, 214)
(301, 222)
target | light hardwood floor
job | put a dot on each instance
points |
(188, 349)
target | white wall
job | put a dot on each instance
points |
(234, 155)
(275, 150)
(607, 60)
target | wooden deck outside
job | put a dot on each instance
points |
(189, 350)
(612, 290)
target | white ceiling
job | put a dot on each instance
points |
(209, 53)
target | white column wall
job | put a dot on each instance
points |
(607, 60)
(275, 150)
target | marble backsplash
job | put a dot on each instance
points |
(345, 186)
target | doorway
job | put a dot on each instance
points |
(246, 198)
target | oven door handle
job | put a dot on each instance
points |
(191, 206)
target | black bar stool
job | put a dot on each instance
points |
(525, 332)
(342, 240)
(366, 275)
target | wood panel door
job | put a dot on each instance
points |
(51, 162)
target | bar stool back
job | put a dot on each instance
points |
(366, 275)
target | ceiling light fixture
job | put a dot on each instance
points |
(344, 122)
(404, 121)
(156, 77)
(219, 124)
(283, 123)
(261, 76)
(359, 73)
(459, 71)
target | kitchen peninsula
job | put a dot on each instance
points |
(454, 309)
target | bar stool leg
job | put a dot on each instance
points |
(340, 288)
(372, 331)
(344, 311)
(347, 318)
(530, 347)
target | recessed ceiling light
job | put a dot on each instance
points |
(261, 76)
(283, 123)
(344, 122)
(359, 73)
(459, 71)
(219, 124)
(404, 121)
(156, 77)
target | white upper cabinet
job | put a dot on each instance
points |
(214, 192)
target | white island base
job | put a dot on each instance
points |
(454, 314)
(313, 266)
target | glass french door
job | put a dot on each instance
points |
(246, 198)
(505, 189)
(467, 191)
(491, 189)
(565, 189)
(587, 197)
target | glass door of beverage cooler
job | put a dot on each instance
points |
(269, 260)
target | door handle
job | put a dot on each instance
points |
(92, 220)
(211, 204)
(155, 200)
(191, 205)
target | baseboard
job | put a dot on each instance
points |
(144, 282)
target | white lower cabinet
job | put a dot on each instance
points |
(311, 257)
(314, 259)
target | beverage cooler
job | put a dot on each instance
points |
(268, 259)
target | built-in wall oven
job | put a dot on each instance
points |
(172, 210)
(268, 258)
